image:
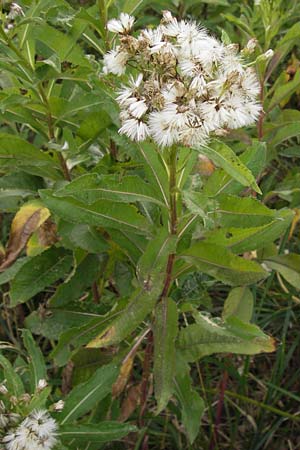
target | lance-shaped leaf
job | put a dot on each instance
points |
(15, 151)
(92, 187)
(221, 182)
(240, 240)
(154, 168)
(13, 381)
(288, 266)
(86, 395)
(239, 303)
(27, 220)
(153, 262)
(94, 433)
(82, 279)
(192, 405)
(165, 332)
(37, 367)
(221, 264)
(207, 337)
(150, 271)
(103, 213)
(140, 305)
(242, 212)
(38, 273)
(223, 156)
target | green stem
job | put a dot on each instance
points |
(51, 132)
(172, 217)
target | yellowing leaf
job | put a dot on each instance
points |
(27, 220)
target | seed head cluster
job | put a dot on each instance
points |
(36, 432)
(183, 83)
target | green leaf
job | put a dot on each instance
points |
(207, 337)
(153, 262)
(140, 305)
(84, 276)
(102, 432)
(285, 132)
(93, 124)
(10, 273)
(223, 265)
(75, 336)
(284, 91)
(165, 332)
(14, 151)
(288, 266)
(86, 395)
(192, 405)
(155, 170)
(12, 380)
(37, 367)
(239, 240)
(221, 182)
(82, 236)
(92, 187)
(103, 213)
(239, 303)
(224, 156)
(38, 273)
(242, 212)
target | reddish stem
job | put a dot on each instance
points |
(222, 389)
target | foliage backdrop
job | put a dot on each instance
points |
(84, 228)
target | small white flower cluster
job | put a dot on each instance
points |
(36, 432)
(187, 84)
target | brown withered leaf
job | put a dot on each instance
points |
(43, 238)
(123, 377)
(26, 221)
(131, 402)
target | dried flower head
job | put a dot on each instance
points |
(36, 432)
(188, 84)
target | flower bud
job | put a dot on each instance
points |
(3, 389)
(251, 45)
(59, 406)
(42, 384)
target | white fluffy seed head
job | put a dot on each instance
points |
(123, 25)
(189, 85)
(36, 432)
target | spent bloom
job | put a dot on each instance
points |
(186, 85)
(36, 432)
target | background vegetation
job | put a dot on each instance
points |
(62, 272)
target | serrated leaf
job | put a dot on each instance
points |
(165, 332)
(222, 155)
(38, 273)
(207, 337)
